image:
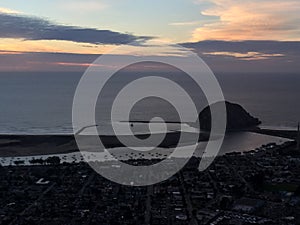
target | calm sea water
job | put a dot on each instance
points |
(42, 102)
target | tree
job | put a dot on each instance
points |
(54, 160)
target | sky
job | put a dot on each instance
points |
(230, 35)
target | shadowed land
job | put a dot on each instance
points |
(29, 145)
(290, 134)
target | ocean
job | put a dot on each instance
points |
(41, 103)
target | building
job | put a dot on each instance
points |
(247, 205)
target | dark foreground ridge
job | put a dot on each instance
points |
(257, 187)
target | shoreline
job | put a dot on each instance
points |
(290, 134)
(31, 145)
(102, 157)
(12, 145)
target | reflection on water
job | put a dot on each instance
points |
(246, 141)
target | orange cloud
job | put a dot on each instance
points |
(10, 52)
(18, 45)
(245, 56)
(251, 20)
(78, 64)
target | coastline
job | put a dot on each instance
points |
(31, 145)
(290, 134)
(24, 148)
(13, 145)
(122, 155)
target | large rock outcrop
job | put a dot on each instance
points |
(237, 117)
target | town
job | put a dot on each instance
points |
(256, 187)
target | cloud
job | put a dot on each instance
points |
(8, 11)
(76, 64)
(249, 56)
(221, 57)
(251, 20)
(188, 23)
(33, 61)
(291, 48)
(33, 28)
(245, 56)
(2, 52)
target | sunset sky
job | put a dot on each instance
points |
(230, 35)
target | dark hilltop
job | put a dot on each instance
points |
(237, 117)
